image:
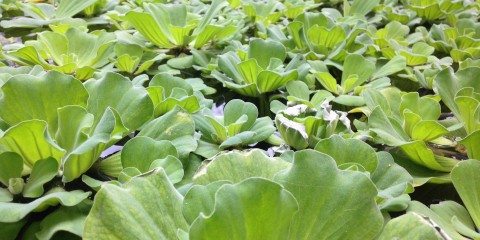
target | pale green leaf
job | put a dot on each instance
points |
(13, 212)
(11, 166)
(240, 212)
(22, 136)
(25, 98)
(333, 203)
(141, 152)
(237, 166)
(149, 208)
(42, 172)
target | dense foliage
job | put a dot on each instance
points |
(240, 119)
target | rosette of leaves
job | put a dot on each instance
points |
(410, 122)
(461, 41)
(431, 10)
(294, 8)
(298, 93)
(167, 92)
(262, 12)
(460, 92)
(74, 130)
(323, 36)
(42, 14)
(52, 139)
(175, 26)
(394, 40)
(393, 11)
(131, 58)
(301, 126)
(256, 71)
(358, 73)
(238, 127)
(74, 51)
(287, 196)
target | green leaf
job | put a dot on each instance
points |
(11, 166)
(456, 215)
(471, 144)
(390, 178)
(25, 98)
(327, 81)
(181, 62)
(172, 166)
(57, 46)
(240, 212)
(149, 28)
(170, 83)
(177, 127)
(362, 7)
(425, 107)
(329, 198)
(249, 70)
(21, 137)
(269, 81)
(443, 223)
(298, 89)
(357, 65)
(214, 8)
(141, 217)
(265, 50)
(68, 8)
(388, 130)
(140, 152)
(28, 56)
(80, 159)
(428, 130)
(42, 172)
(418, 152)
(345, 151)
(420, 174)
(465, 178)
(468, 105)
(200, 199)
(237, 166)
(206, 149)
(67, 219)
(13, 212)
(127, 174)
(219, 132)
(263, 129)
(396, 64)
(411, 226)
(323, 37)
(115, 91)
(234, 109)
(73, 122)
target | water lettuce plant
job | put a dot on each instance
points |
(239, 119)
(239, 126)
(43, 14)
(72, 51)
(256, 71)
(168, 26)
